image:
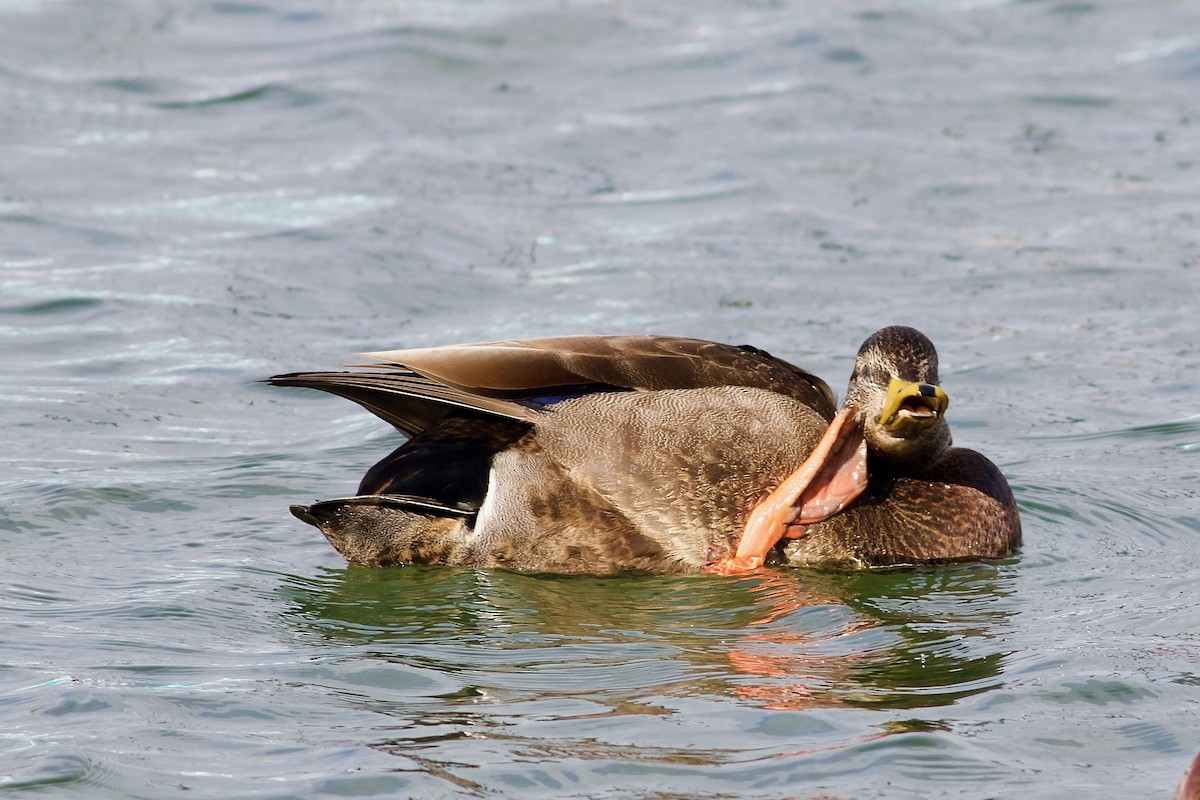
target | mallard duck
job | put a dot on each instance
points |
(602, 454)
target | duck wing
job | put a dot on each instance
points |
(531, 368)
(409, 401)
(513, 380)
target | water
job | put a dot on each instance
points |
(193, 197)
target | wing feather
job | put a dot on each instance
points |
(638, 363)
(509, 380)
(409, 401)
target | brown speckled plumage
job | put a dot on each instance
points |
(603, 454)
(959, 509)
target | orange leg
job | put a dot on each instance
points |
(768, 521)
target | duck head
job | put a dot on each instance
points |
(893, 419)
(900, 407)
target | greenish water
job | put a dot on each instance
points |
(194, 198)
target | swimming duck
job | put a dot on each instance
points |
(602, 454)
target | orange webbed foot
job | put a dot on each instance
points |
(735, 565)
(832, 476)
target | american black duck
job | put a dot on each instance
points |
(600, 454)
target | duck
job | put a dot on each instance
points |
(605, 454)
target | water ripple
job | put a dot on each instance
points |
(195, 197)
(287, 208)
(677, 194)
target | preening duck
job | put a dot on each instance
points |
(602, 454)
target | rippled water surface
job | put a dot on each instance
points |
(195, 196)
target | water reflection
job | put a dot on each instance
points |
(781, 640)
(915, 640)
(463, 676)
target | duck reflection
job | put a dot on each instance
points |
(902, 640)
(781, 640)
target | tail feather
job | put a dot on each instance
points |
(379, 531)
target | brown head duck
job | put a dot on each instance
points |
(601, 454)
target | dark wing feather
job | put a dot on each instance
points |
(506, 379)
(407, 400)
(525, 369)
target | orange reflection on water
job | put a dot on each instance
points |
(804, 673)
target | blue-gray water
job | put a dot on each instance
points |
(197, 195)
